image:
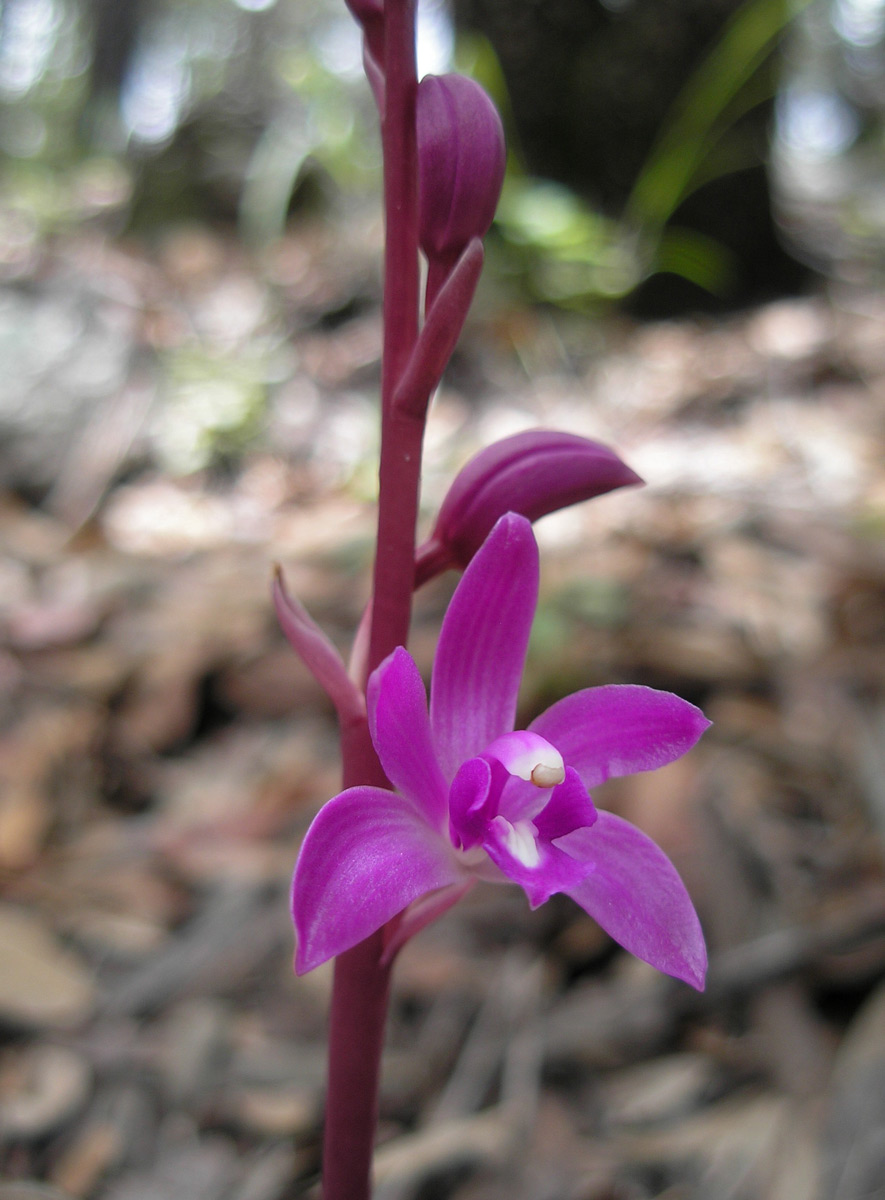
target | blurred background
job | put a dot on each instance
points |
(686, 264)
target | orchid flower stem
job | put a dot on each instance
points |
(362, 977)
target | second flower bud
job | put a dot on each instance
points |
(461, 159)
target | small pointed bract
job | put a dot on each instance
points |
(439, 334)
(532, 473)
(475, 799)
(317, 652)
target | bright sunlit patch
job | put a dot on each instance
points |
(29, 32)
(861, 22)
(435, 38)
(814, 123)
(155, 92)
(340, 48)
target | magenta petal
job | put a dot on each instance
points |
(401, 734)
(619, 730)
(482, 645)
(636, 895)
(366, 856)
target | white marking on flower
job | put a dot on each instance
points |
(474, 857)
(521, 839)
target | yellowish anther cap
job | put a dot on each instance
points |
(545, 776)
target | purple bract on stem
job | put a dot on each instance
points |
(476, 800)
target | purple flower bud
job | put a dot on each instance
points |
(531, 473)
(461, 159)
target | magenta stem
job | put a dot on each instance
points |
(361, 982)
(401, 436)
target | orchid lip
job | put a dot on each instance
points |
(520, 838)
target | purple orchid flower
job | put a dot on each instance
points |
(476, 800)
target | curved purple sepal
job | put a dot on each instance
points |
(367, 855)
(634, 892)
(620, 729)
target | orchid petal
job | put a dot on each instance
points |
(634, 892)
(367, 855)
(420, 914)
(400, 729)
(524, 847)
(482, 645)
(620, 729)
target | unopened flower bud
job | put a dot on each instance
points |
(461, 160)
(531, 473)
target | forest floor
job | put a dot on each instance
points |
(162, 751)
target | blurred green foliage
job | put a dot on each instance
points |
(249, 110)
(213, 407)
(570, 254)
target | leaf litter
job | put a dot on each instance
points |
(162, 752)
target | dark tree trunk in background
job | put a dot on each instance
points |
(589, 86)
(114, 31)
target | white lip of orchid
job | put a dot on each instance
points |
(521, 839)
(529, 757)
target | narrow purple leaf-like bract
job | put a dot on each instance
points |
(317, 652)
